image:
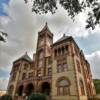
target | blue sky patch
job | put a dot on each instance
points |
(89, 44)
(2, 13)
(4, 73)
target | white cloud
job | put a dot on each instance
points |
(94, 60)
(22, 27)
(3, 83)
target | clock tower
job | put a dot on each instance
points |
(43, 51)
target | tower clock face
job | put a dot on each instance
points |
(41, 42)
(49, 42)
(40, 63)
(41, 55)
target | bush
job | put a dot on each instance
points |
(6, 97)
(37, 96)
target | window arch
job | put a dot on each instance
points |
(82, 91)
(11, 88)
(59, 51)
(63, 86)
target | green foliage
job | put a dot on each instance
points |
(97, 85)
(73, 7)
(6, 97)
(37, 96)
(93, 98)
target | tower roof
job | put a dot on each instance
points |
(24, 57)
(45, 28)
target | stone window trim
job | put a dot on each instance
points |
(78, 66)
(63, 78)
(61, 50)
(30, 75)
(10, 89)
(64, 88)
(82, 89)
(23, 76)
(61, 67)
(26, 65)
(49, 71)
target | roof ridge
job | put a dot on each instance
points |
(25, 57)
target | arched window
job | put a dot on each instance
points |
(23, 76)
(11, 89)
(59, 51)
(78, 66)
(55, 52)
(82, 92)
(63, 87)
(63, 50)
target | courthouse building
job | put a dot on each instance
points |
(57, 69)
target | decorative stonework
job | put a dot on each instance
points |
(54, 70)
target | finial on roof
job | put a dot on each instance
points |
(46, 23)
(26, 53)
(64, 35)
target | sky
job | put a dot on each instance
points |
(23, 26)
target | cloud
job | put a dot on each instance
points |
(94, 59)
(22, 27)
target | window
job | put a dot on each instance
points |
(39, 73)
(13, 76)
(82, 92)
(78, 67)
(63, 50)
(66, 48)
(59, 51)
(40, 63)
(23, 76)
(62, 67)
(41, 42)
(55, 53)
(63, 87)
(30, 74)
(25, 66)
(10, 90)
(49, 61)
(41, 54)
(76, 51)
(49, 71)
(65, 68)
(59, 68)
(16, 67)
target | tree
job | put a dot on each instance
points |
(6, 97)
(2, 36)
(37, 96)
(97, 85)
(73, 7)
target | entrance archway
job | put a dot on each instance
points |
(29, 89)
(46, 88)
(20, 90)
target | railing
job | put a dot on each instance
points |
(35, 78)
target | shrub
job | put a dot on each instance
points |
(6, 97)
(37, 96)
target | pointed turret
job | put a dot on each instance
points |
(24, 57)
(45, 29)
